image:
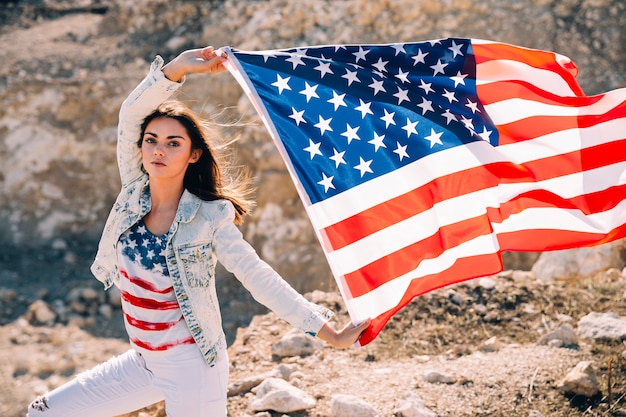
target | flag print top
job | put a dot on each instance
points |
(152, 315)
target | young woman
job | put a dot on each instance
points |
(174, 218)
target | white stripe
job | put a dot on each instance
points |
(559, 219)
(512, 110)
(389, 294)
(508, 70)
(394, 184)
(391, 239)
(564, 141)
(449, 161)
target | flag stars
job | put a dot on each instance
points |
(295, 60)
(281, 83)
(485, 134)
(426, 106)
(402, 95)
(449, 116)
(324, 68)
(398, 47)
(401, 151)
(377, 141)
(351, 76)
(410, 127)
(438, 67)
(323, 125)
(449, 95)
(364, 108)
(388, 118)
(338, 100)
(327, 182)
(434, 138)
(338, 158)
(309, 91)
(364, 166)
(351, 133)
(456, 49)
(360, 55)
(420, 57)
(426, 87)
(313, 149)
(473, 106)
(297, 116)
(468, 123)
(458, 79)
(377, 86)
(381, 65)
(403, 76)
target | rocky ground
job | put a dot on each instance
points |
(475, 349)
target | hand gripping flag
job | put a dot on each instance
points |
(419, 163)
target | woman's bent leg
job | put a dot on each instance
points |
(190, 387)
(118, 386)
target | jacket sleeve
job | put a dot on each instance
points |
(153, 90)
(265, 284)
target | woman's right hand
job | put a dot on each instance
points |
(201, 61)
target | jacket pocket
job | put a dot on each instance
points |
(197, 264)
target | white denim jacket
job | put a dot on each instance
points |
(202, 233)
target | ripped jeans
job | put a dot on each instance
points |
(132, 381)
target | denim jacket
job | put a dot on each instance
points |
(202, 233)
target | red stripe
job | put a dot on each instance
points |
(522, 240)
(146, 285)
(149, 303)
(537, 126)
(150, 326)
(462, 270)
(395, 210)
(166, 346)
(403, 261)
(535, 58)
(505, 90)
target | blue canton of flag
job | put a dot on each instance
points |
(367, 112)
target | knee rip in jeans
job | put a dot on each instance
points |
(40, 404)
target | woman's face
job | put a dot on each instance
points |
(166, 149)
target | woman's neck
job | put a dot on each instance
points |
(165, 199)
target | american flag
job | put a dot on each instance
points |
(419, 163)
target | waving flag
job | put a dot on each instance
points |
(419, 163)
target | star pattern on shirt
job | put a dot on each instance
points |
(144, 248)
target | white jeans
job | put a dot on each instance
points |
(131, 381)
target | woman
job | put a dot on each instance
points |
(174, 217)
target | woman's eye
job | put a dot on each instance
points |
(149, 140)
(174, 143)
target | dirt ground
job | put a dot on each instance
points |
(442, 331)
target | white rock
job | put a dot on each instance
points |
(296, 343)
(350, 406)
(436, 377)
(279, 395)
(41, 312)
(410, 405)
(607, 326)
(580, 381)
(562, 336)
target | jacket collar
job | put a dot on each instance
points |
(188, 205)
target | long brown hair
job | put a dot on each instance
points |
(212, 177)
